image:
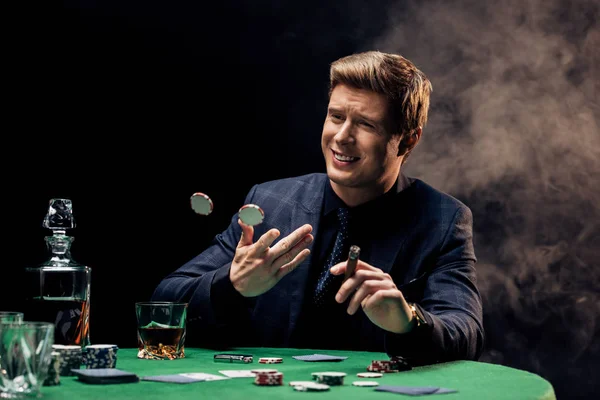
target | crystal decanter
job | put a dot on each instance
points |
(58, 290)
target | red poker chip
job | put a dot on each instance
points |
(264, 371)
(269, 379)
(381, 362)
(269, 375)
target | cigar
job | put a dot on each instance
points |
(352, 261)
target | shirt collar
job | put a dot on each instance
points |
(333, 202)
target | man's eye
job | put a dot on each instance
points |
(368, 125)
(336, 117)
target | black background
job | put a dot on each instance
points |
(129, 107)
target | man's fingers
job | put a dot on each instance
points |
(289, 267)
(362, 294)
(354, 282)
(247, 234)
(265, 241)
(371, 292)
(292, 254)
(340, 268)
(290, 241)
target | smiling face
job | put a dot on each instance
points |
(361, 153)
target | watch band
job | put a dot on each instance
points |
(417, 314)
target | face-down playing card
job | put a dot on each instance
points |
(105, 376)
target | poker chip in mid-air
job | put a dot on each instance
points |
(270, 360)
(251, 214)
(201, 203)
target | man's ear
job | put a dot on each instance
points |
(409, 141)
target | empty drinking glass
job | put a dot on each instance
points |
(25, 355)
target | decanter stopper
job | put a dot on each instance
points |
(60, 216)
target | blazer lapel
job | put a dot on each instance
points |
(308, 211)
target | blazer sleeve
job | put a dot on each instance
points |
(204, 283)
(451, 303)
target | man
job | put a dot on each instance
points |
(413, 293)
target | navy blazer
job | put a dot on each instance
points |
(426, 247)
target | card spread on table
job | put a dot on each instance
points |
(174, 378)
(319, 357)
(189, 377)
(204, 376)
(414, 390)
(105, 376)
(238, 373)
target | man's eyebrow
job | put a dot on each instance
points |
(371, 120)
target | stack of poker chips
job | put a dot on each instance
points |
(329, 378)
(268, 377)
(101, 356)
(53, 377)
(394, 364)
(70, 358)
(400, 364)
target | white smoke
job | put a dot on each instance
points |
(513, 132)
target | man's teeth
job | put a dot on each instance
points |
(344, 158)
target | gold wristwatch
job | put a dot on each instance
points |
(417, 315)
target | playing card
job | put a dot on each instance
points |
(105, 376)
(238, 373)
(319, 357)
(414, 390)
(174, 378)
(444, 390)
(203, 376)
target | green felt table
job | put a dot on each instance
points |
(473, 380)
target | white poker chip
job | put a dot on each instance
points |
(68, 347)
(96, 346)
(201, 203)
(369, 374)
(365, 383)
(296, 383)
(329, 373)
(251, 214)
(311, 386)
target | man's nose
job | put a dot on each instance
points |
(346, 133)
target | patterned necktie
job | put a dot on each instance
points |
(323, 288)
